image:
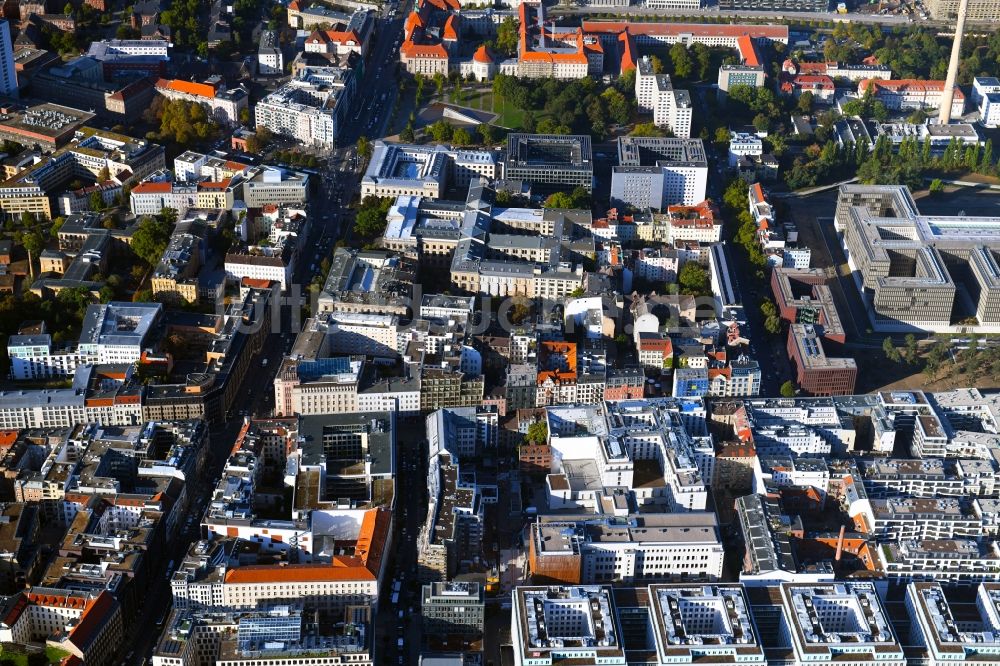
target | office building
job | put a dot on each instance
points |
(805, 301)
(8, 73)
(549, 161)
(425, 171)
(452, 609)
(654, 173)
(979, 11)
(548, 50)
(749, 71)
(907, 261)
(627, 548)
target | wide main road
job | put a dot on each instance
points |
(378, 87)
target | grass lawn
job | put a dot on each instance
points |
(507, 114)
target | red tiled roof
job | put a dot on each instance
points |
(191, 88)
(93, 619)
(628, 52)
(748, 51)
(905, 85)
(411, 50)
(157, 187)
(482, 55)
(450, 30)
(779, 32)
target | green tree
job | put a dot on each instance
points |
(788, 389)
(656, 64)
(805, 103)
(486, 132)
(721, 136)
(364, 147)
(507, 36)
(461, 137)
(441, 131)
(538, 433)
(890, 350)
(912, 351)
(150, 239)
(96, 201)
(693, 279)
(33, 243)
(936, 187)
(371, 217)
(681, 60)
(618, 106)
(649, 129)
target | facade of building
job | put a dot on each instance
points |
(654, 173)
(550, 161)
(311, 107)
(224, 105)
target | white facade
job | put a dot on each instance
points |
(657, 266)
(742, 144)
(32, 357)
(272, 269)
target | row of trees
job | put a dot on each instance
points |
(736, 201)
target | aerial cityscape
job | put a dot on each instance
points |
(499, 332)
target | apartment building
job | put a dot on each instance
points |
(655, 93)
(311, 107)
(85, 157)
(628, 549)
(270, 59)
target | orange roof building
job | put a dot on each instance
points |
(905, 94)
(225, 104)
(430, 34)
(482, 55)
(545, 50)
(330, 585)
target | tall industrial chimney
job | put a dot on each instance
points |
(947, 95)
